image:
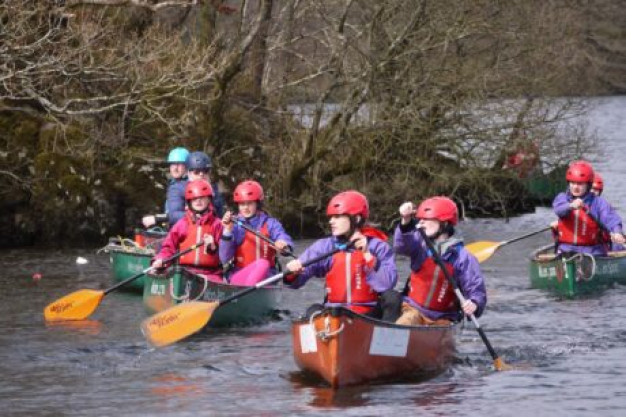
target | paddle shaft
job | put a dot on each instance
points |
(265, 238)
(145, 271)
(460, 296)
(279, 276)
(536, 232)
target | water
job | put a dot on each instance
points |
(569, 355)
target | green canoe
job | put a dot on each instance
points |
(572, 275)
(128, 258)
(179, 285)
(544, 187)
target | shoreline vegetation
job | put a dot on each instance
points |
(399, 99)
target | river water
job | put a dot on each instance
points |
(569, 355)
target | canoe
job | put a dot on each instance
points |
(178, 285)
(345, 348)
(543, 187)
(569, 276)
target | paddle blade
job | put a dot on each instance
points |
(75, 306)
(178, 322)
(482, 250)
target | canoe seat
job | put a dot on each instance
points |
(545, 257)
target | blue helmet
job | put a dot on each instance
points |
(177, 156)
(199, 160)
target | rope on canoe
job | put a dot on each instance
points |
(579, 265)
(325, 334)
(186, 296)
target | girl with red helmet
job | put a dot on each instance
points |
(198, 225)
(597, 186)
(583, 215)
(429, 297)
(357, 275)
(246, 248)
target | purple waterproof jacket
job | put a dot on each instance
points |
(230, 243)
(467, 272)
(175, 200)
(599, 209)
(381, 278)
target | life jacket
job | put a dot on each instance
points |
(579, 228)
(253, 248)
(430, 288)
(346, 282)
(198, 257)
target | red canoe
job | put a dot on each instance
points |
(345, 348)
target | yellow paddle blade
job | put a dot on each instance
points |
(75, 306)
(178, 322)
(482, 250)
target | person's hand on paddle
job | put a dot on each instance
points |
(209, 243)
(227, 221)
(576, 204)
(282, 246)
(618, 238)
(294, 266)
(360, 243)
(148, 221)
(469, 307)
(407, 211)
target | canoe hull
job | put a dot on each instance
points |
(128, 262)
(345, 348)
(575, 275)
(164, 291)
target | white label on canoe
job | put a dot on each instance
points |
(307, 339)
(389, 342)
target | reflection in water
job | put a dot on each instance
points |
(176, 385)
(88, 326)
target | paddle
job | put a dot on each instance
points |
(80, 304)
(182, 320)
(483, 250)
(283, 252)
(498, 362)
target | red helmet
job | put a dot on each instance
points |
(248, 191)
(579, 171)
(598, 182)
(198, 188)
(351, 202)
(438, 208)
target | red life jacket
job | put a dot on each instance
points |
(253, 248)
(430, 289)
(198, 257)
(346, 282)
(579, 228)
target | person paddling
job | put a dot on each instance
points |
(198, 225)
(429, 297)
(244, 247)
(361, 272)
(583, 215)
(175, 195)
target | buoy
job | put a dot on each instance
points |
(81, 261)
(37, 276)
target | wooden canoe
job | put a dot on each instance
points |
(180, 285)
(572, 275)
(345, 348)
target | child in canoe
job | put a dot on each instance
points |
(199, 224)
(245, 248)
(583, 215)
(361, 272)
(429, 298)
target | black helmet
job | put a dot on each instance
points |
(199, 160)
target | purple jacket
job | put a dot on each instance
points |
(467, 272)
(228, 245)
(175, 200)
(381, 278)
(599, 209)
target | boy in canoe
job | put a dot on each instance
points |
(199, 224)
(199, 166)
(244, 247)
(361, 272)
(429, 297)
(175, 196)
(583, 215)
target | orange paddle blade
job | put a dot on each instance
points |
(482, 250)
(178, 322)
(75, 306)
